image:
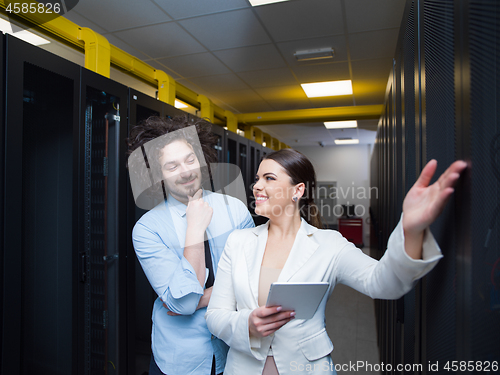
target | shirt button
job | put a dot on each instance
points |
(213, 337)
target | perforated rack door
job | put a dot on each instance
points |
(439, 140)
(95, 197)
(408, 93)
(104, 217)
(484, 224)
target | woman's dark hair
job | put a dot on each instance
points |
(300, 169)
(154, 127)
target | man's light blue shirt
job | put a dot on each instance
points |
(183, 344)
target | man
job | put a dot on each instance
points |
(179, 242)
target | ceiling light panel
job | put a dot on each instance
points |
(331, 88)
(25, 35)
(314, 54)
(179, 104)
(346, 141)
(256, 3)
(341, 124)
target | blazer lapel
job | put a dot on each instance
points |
(303, 248)
(254, 252)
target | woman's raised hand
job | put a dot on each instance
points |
(424, 203)
(266, 320)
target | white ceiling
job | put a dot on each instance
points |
(241, 57)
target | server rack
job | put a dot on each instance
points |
(446, 87)
(40, 264)
(237, 153)
(2, 182)
(220, 133)
(140, 294)
(266, 151)
(103, 207)
(479, 245)
(255, 155)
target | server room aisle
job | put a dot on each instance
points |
(351, 324)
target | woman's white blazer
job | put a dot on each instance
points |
(302, 346)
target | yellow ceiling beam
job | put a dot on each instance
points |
(97, 47)
(267, 139)
(231, 122)
(70, 33)
(206, 108)
(166, 87)
(97, 51)
(275, 144)
(258, 136)
(249, 130)
(359, 112)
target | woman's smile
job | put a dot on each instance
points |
(259, 199)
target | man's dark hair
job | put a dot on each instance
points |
(155, 127)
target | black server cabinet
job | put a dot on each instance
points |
(255, 156)
(220, 133)
(139, 292)
(446, 96)
(479, 242)
(266, 151)
(236, 152)
(408, 57)
(2, 182)
(170, 111)
(40, 263)
(231, 147)
(103, 208)
(438, 142)
(254, 159)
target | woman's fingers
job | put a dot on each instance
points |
(452, 174)
(266, 328)
(278, 317)
(270, 315)
(265, 320)
(424, 203)
(426, 175)
(273, 327)
(264, 311)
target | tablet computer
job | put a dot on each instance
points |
(304, 298)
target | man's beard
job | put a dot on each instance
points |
(183, 192)
(191, 191)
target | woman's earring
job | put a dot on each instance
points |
(295, 199)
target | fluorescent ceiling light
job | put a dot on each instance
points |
(332, 88)
(25, 35)
(256, 3)
(341, 124)
(314, 54)
(346, 141)
(179, 104)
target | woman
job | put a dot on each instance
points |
(291, 248)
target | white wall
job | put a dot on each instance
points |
(349, 165)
